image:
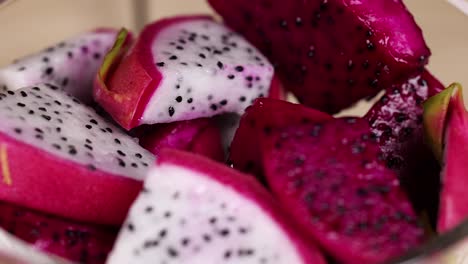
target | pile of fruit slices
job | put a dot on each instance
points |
(181, 138)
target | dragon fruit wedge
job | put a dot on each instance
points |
(60, 157)
(446, 123)
(71, 64)
(14, 251)
(331, 179)
(181, 68)
(331, 53)
(78, 242)
(396, 120)
(193, 210)
(263, 115)
(200, 136)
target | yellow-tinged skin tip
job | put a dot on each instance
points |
(5, 166)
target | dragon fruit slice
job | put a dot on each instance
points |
(332, 181)
(193, 210)
(58, 156)
(181, 68)
(200, 136)
(331, 53)
(79, 242)
(71, 64)
(396, 120)
(445, 121)
(14, 251)
(264, 115)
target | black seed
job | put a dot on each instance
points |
(173, 57)
(70, 54)
(58, 129)
(91, 167)
(88, 146)
(224, 232)
(365, 64)
(171, 111)
(242, 98)
(20, 104)
(49, 70)
(46, 117)
(400, 117)
(21, 68)
(230, 76)
(206, 238)
(11, 92)
(199, 65)
(72, 151)
(239, 68)
(267, 130)
(201, 55)
(370, 46)
(121, 162)
(148, 209)
(23, 94)
(223, 102)
(220, 65)
(18, 130)
(185, 242)
(190, 100)
(213, 220)
(130, 227)
(96, 56)
(227, 254)
(162, 233)
(88, 126)
(160, 64)
(213, 107)
(121, 153)
(39, 136)
(45, 59)
(116, 140)
(167, 214)
(172, 252)
(93, 121)
(57, 146)
(178, 99)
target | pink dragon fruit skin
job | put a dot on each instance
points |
(181, 68)
(331, 53)
(200, 136)
(75, 241)
(71, 64)
(60, 157)
(194, 210)
(331, 179)
(396, 120)
(445, 120)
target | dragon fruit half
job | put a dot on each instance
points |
(445, 121)
(331, 53)
(181, 68)
(60, 157)
(332, 180)
(71, 64)
(193, 210)
(78, 242)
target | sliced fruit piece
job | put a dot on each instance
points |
(331, 53)
(193, 210)
(60, 157)
(83, 243)
(71, 65)
(446, 123)
(181, 68)
(332, 181)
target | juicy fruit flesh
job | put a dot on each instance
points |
(336, 52)
(74, 241)
(70, 64)
(194, 56)
(59, 124)
(396, 120)
(198, 220)
(330, 179)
